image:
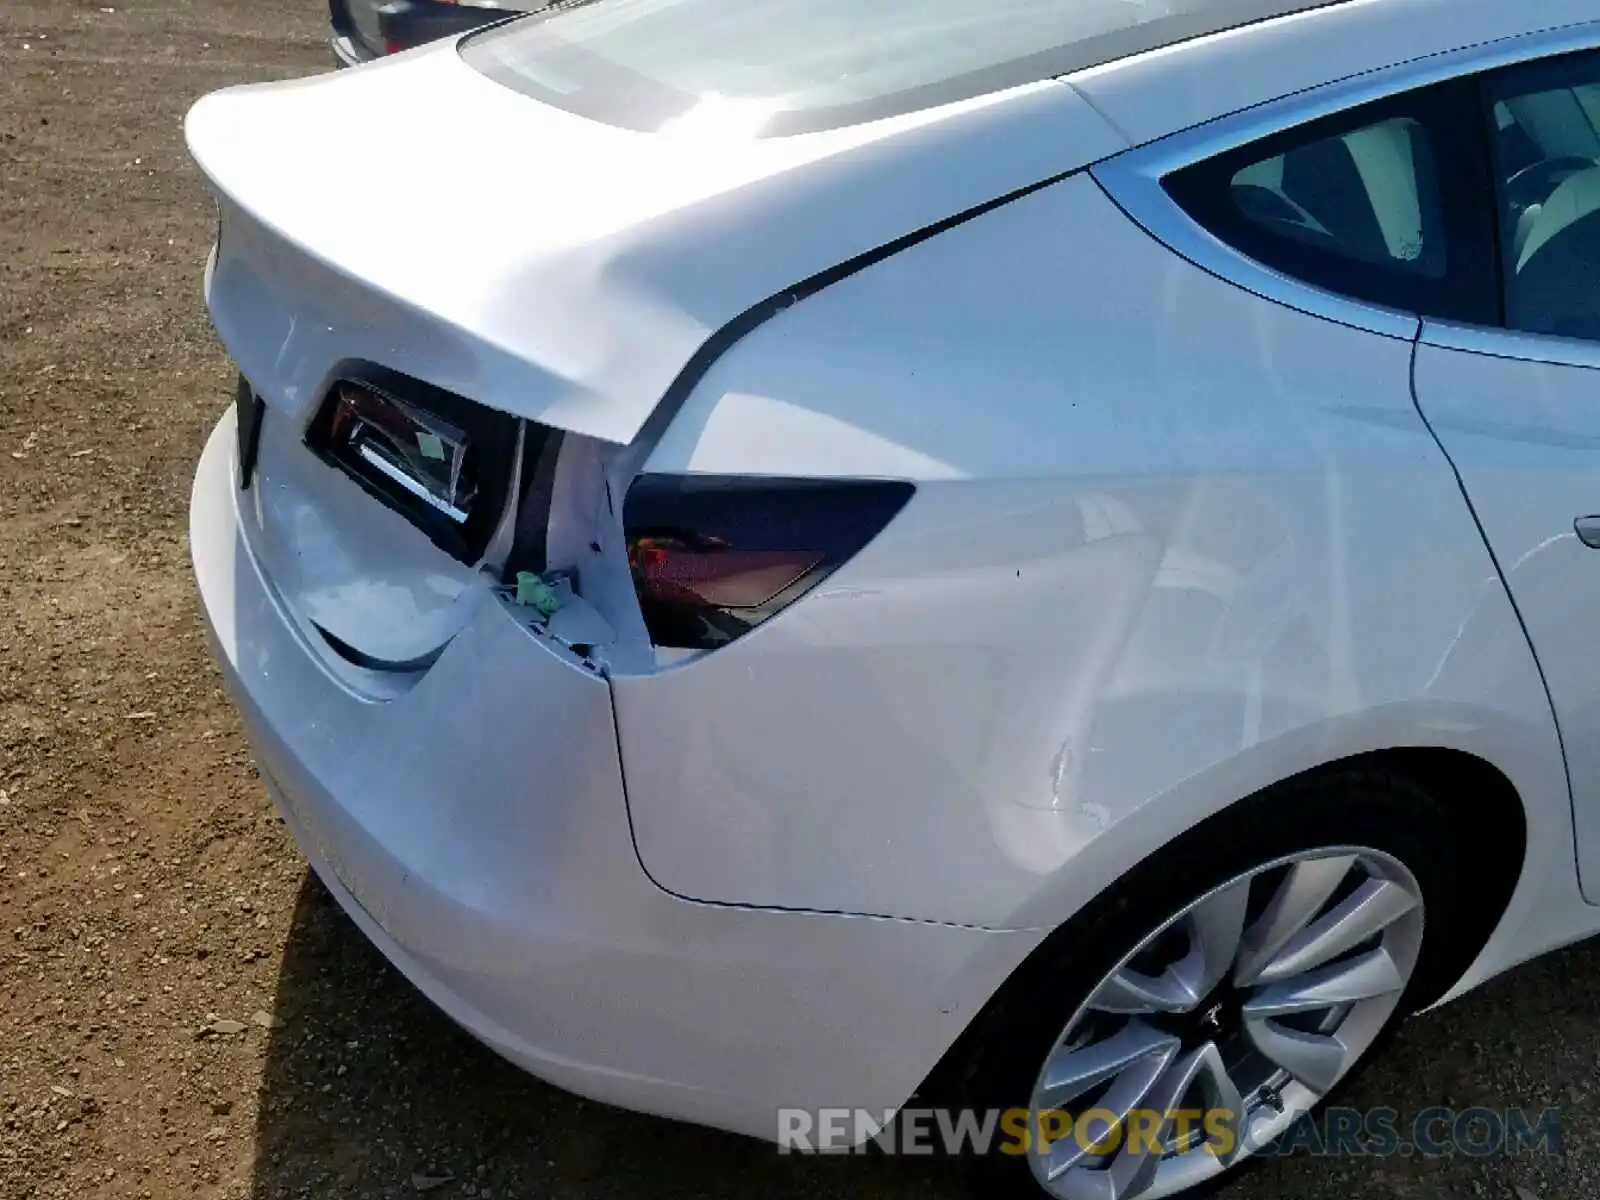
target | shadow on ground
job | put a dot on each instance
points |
(368, 1092)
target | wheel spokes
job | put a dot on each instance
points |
(1299, 898)
(1136, 1147)
(1071, 1073)
(1217, 930)
(1133, 1167)
(1365, 977)
(1132, 992)
(1315, 1059)
(1220, 1095)
(1366, 912)
(1134, 1067)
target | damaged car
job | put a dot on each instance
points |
(998, 552)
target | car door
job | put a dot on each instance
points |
(1517, 408)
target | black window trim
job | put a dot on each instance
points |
(1483, 115)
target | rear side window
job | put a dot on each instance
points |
(1368, 204)
(1545, 130)
(1370, 195)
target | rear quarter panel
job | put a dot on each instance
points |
(1171, 544)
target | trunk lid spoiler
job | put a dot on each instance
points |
(416, 214)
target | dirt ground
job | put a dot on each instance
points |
(183, 1012)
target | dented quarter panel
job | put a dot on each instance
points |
(1171, 544)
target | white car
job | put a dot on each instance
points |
(1022, 552)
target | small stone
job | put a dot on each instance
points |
(263, 1019)
(221, 1108)
(225, 1026)
(430, 1183)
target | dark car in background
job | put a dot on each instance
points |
(368, 29)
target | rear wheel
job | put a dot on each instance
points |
(1221, 991)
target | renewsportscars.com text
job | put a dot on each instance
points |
(1334, 1132)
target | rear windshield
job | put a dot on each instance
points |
(774, 67)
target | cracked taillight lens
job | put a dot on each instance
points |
(712, 557)
(441, 461)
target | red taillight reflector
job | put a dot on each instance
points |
(715, 574)
(715, 556)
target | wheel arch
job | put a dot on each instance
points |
(1488, 814)
(1491, 833)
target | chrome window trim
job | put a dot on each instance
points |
(1511, 343)
(1133, 178)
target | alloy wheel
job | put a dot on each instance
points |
(1248, 1005)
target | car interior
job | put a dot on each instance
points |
(1366, 194)
(1549, 156)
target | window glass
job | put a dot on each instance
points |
(1545, 133)
(1368, 194)
(775, 67)
(1379, 203)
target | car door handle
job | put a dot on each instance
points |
(1588, 531)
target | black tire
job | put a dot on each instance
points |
(996, 1062)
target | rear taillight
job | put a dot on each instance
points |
(440, 460)
(415, 450)
(714, 556)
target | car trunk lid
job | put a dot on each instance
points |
(419, 218)
(418, 214)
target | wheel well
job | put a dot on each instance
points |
(1491, 827)
(1487, 816)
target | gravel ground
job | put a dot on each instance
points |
(183, 1012)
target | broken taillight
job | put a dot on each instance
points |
(415, 450)
(712, 557)
(440, 460)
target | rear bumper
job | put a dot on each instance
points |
(476, 830)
